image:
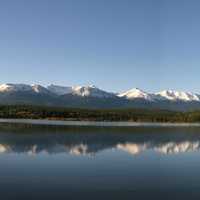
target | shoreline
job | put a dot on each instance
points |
(97, 123)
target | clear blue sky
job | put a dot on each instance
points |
(114, 44)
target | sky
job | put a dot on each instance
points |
(113, 44)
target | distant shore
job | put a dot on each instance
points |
(128, 115)
(95, 123)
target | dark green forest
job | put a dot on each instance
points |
(135, 115)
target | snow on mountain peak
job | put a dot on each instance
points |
(84, 91)
(93, 91)
(59, 90)
(137, 93)
(177, 95)
(90, 91)
(39, 89)
(163, 95)
(5, 87)
(14, 87)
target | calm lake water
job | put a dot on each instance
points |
(74, 162)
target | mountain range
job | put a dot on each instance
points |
(93, 97)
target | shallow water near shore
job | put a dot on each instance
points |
(99, 162)
(96, 123)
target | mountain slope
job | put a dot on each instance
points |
(136, 93)
(59, 90)
(83, 91)
(93, 97)
(178, 96)
(91, 91)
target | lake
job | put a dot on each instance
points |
(99, 162)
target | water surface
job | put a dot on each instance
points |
(96, 123)
(73, 162)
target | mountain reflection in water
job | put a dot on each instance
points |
(33, 140)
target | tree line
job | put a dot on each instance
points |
(135, 115)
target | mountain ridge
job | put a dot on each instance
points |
(94, 97)
(89, 90)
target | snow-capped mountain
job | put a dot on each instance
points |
(14, 87)
(83, 91)
(59, 90)
(10, 88)
(40, 89)
(93, 97)
(178, 96)
(170, 95)
(91, 91)
(136, 93)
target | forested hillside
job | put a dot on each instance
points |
(136, 115)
